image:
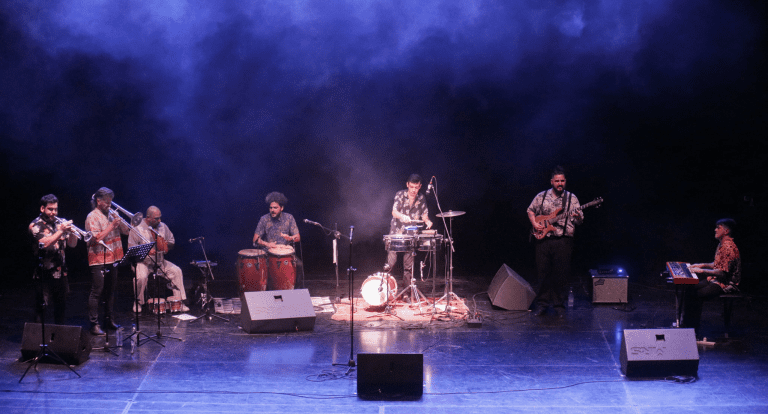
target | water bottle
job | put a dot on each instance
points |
(133, 338)
(570, 299)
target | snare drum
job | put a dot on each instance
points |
(398, 242)
(252, 270)
(157, 305)
(173, 304)
(370, 289)
(428, 242)
(282, 268)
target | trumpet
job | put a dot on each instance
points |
(81, 234)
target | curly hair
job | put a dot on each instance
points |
(276, 197)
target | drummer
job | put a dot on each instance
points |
(276, 228)
(409, 209)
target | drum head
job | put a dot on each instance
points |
(370, 289)
(251, 252)
(281, 250)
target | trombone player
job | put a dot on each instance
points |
(104, 249)
(51, 235)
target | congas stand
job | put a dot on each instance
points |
(449, 295)
(206, 300)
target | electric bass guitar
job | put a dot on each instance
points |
(550, 219)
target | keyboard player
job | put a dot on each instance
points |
(721, 276)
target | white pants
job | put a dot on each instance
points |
(168, 270)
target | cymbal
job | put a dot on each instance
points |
(451, 213)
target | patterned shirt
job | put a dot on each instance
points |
(546, 202)
(728, 259)
(96, 222)
(53, 255)
(403, 205)
(143, 229)
(269, 229)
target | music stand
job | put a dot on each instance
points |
(136, 254)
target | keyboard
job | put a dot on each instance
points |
(681, 274)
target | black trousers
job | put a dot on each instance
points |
(553, 267)
(694, 300)
(103, 281)
(54, 292)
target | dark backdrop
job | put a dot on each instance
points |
(202, 109)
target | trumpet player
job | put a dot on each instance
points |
(106, 228)
(51, 235)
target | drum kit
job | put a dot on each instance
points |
(379, 289)
(259, 270)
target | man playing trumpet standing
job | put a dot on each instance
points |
(153, 229)
(51, 235)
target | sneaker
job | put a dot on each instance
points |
(136, 308)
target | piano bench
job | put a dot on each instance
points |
(728, 300)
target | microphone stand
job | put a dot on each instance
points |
(336, 236)
(157, 269)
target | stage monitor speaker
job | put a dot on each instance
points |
(659, 352)
(510, 291)
(277, 311)
(390, 376)
(70, 343)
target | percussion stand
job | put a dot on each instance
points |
(205, 299)
(449, 235)
(415, 294)
(44, 350)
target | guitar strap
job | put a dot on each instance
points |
(567, 212)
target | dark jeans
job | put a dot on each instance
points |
(694, 299)
(407, 265)
(103, 281)
(51, 292)
(553, 266)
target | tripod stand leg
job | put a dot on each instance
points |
(42, 353)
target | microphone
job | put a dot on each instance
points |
(196, 239)
(351, 230)
(429, 186)
(313, 222)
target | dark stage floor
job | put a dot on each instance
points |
(514, 362)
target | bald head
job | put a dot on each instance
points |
(153, 217)
(153, 211)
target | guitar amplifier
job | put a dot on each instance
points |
(609, 284)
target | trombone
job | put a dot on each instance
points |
(135, 220)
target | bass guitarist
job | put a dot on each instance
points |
(554, 248)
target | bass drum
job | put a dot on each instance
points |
(252, 270)
(370, 289)
(282, 268)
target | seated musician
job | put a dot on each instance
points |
(721, 276)
(277, 227)
(154, 230)
(409, 205)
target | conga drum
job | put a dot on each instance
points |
(252, 270)
(282, 268)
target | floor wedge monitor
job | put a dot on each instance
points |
(510, 291)
(390, 376)
(70, 343)
(659, 352)
(277, 311)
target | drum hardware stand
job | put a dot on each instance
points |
(415, 294)
(205, 296)
(387, 305)
(44, 350)
(449, 295)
